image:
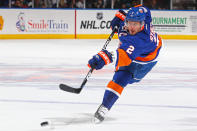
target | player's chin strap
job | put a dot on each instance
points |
(67, 88)
(142, 25)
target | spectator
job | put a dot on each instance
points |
(106, 3)
(100, 4)
(65, 4)
(89, 4)
(117, 4)
(24, 3)
(135, 2)
(4, 3)
(122, 4)
(53, 3)
(155, 4)
(79, 4)
(36, 3)
(19, 4)
(45, 3)
(29, 3)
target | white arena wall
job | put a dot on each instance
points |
(87, 24)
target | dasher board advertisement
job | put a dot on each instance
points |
(37, 21)
(175, 22)
(94, 21)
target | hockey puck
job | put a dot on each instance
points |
(45, 123)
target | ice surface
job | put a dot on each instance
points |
(31, 70)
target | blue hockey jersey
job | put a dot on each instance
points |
(142, 47)
(136, 56)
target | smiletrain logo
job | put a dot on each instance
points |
(1, 23)
(49, 24)
(20, 24)
(29, 24)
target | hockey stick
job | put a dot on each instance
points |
(67, 88)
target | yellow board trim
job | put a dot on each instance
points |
(95, 36)
(179, 37)
(105, 36)
(84, 36)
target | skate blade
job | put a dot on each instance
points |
(96, 120)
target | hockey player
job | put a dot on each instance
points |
(136, 54)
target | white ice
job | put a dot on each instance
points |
(31, 70)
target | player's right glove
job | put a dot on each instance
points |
(99, 60)
(120, 16)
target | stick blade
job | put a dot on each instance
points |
(69, 89)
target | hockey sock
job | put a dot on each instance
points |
(112, 93)
(115, 88)
(109, 99)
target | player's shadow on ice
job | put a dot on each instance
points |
(74, 119)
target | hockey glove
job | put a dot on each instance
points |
(99, 60)
(120, 16)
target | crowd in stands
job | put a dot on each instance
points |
(4, 3)
(108, 4)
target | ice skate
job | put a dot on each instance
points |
(99, 115)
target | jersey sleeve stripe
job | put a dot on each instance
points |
(152, 55)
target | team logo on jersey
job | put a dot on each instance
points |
(99, 15)
(1, 23)
(20, 24)
(141, 10)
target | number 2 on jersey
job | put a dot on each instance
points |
(130, 49)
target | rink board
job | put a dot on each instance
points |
(87, 24)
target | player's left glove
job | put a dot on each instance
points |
(120, 16)
(99, 60)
